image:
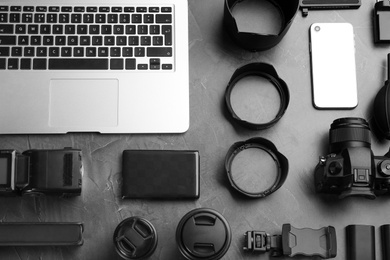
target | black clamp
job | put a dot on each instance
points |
(260, 42)
(293, 241)
(268, 72)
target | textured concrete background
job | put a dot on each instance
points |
(301, 135)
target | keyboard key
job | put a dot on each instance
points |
(116, 9)
(146, 40)
(124, 18)
(16, 8)
(13, 64)
(85, 40)
(167, 66)
(100, 18)
(119, 29)
(142, 66)
(3, 18)
(106, 29)
(130, 64)
(136, 18)
(92, 9)
(127, 52)
(58, 29)
(4, 51)
(6, 28)
(19, 29)
(115, 52)
(159, 51)
(104, 9)
(33, 29)
(112, 18)
(154, 64)
(64, 18)
(66, 52)
(88, 18)
(141, 9)
(61, 40)
(23, 40)
(163, 18)
(91, 52)
(78, 52)
(121, 40)
(139, 52)
(78, 64)
(48, 40)
(82, 29)
(52, 18)
(130, 29)
(75, 18)
(28, 9)
(54, 9)
(167, 32)
(16, 51)
(39, 64)
(154, 29)
(41, 9)
(116, 64)
(7, 40)
(154, 9)
(45, 29)
(73, 40)
(42, 51)
(128, 9)
(36, 40)
(142, 29)
(14, 18)
(133, 40)
(39, 18)
(54, 51)
(103, 51)
(29, 51)
(97, 40)
(148, 18)
(27, 18)
(79, 9)
(166, 9)
(25, 64)
(66, 9)
(3, 8)
(70, 29)
(109, 40)
(157, 40)
(2, 64)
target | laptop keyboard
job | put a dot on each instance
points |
(86, 38)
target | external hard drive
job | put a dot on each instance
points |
(160, 174)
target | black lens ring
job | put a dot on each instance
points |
(260, 42)
(268, 72)
(267, 146)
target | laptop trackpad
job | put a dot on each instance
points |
(84, 103)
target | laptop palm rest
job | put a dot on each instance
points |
(83, 103)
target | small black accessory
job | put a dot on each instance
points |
(306, 5)
(280, 169)
(203, 234)
(382, 106)
(135, 238)
(351, 169)
(41, 172)
(262, 70)
(160, 174)
(260, 42)
(41, 234)
(385, 235)
(382, 22)
(360, 242)
(294, 241)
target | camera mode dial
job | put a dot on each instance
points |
(335, 168)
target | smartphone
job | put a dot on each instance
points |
(333, 68)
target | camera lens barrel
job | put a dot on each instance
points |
(349, 132)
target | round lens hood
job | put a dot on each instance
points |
(262, 70)
(135, 238)
(203, 234)
(269, 149)
(255, 41)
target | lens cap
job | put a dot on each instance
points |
(135, 238)
(203, 234)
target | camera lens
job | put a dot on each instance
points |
(349, 132)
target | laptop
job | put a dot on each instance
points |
(112, 66)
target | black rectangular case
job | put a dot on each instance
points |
(160, 174)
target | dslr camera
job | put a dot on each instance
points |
(351, 169)
(41, 172)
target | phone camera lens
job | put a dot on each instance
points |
(317, 28)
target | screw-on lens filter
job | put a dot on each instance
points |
(135, 238)
(255, 168)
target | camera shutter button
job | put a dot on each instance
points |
(335, 168)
